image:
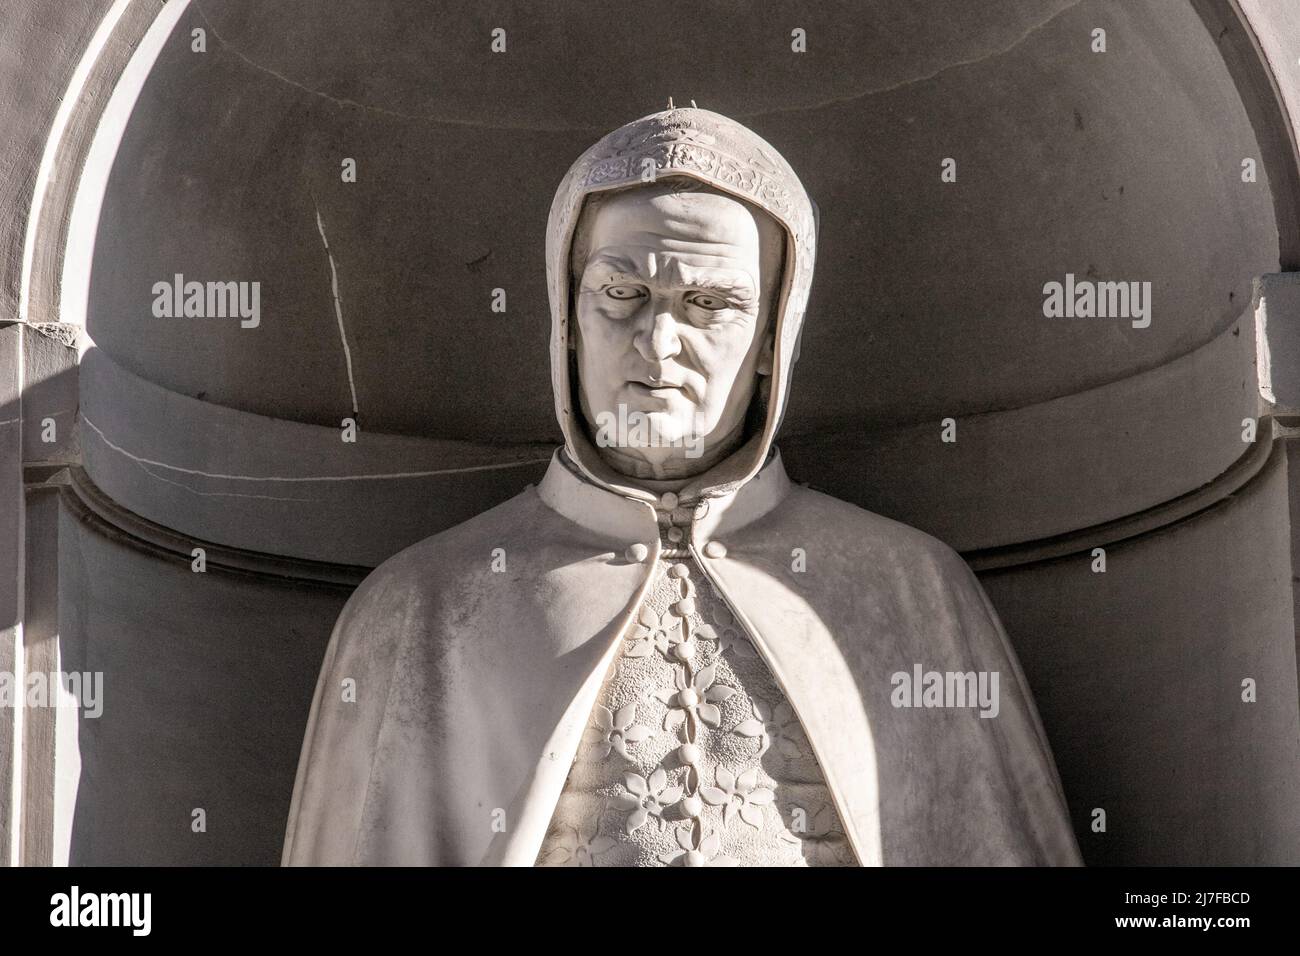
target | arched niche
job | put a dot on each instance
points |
(1123, 165)
(928, 305)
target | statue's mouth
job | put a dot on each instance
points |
(656, 388)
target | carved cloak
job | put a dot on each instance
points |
(473, 685)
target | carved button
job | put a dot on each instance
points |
(689, 697)
(685, 607)
(690, 754)
(715, 549)
(637, 553)
(685, 651)
(679, 571)
(693, 806)
(668, 501)
(675, 534)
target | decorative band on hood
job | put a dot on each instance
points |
(721, 153)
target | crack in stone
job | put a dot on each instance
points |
(345, 102)
(214, 494)
(337, 101)
(495, 466)
(338, 308)
(862, 94)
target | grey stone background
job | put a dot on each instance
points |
(1073, 434)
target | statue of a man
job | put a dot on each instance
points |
(668, 653)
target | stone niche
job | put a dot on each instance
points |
(1074, 436)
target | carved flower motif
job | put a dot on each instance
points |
(779, 726)
(687, 649)
(740, 795)
(705, 854)
(738, 644)
(578, 849)
(655, 632)
(697, 696)
(646, 798)
(735, 643)
(614, 731)
(703, 632)
(809, 832)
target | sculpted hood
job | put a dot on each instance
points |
(727, 156)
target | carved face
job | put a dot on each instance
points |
(673, 309)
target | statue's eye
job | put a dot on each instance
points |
(624, 292)
(704, 300)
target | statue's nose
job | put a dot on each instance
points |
(659, 341)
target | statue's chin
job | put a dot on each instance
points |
(666, 430)
(645, 429)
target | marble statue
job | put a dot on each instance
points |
(668, 653)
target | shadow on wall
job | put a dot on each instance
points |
(204, 679)
(208, 678)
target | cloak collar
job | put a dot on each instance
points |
(718, 509)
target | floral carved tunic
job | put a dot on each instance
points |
(692, 756)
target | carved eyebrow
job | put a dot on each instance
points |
(617, 263)
(727, 281)
(732, 285)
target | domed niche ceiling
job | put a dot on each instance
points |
(928, 300)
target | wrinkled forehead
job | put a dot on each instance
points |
(696, 223)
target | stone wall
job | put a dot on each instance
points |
(1071, 434)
